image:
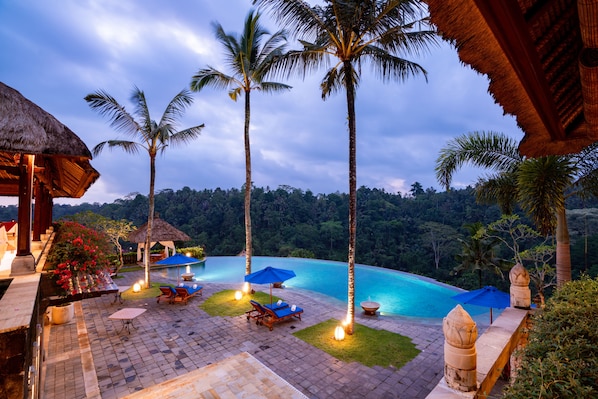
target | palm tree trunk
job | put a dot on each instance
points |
(150, 220)
(248, 241)
(352, 195)
(563, 249)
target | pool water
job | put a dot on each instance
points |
(399, 293)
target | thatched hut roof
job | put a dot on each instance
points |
(541, 57)
(161, 231)
(26, 128)
(62, 158)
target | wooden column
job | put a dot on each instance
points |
(38, 228)
(24, 263)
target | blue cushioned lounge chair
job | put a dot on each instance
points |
(184, 293)
(257, 313)
(167, 293)
(277, 315)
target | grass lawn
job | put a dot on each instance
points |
(367, 346)
(223, 303)
(152, 292)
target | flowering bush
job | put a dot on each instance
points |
(77, 253)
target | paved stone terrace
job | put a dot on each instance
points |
(87, 358)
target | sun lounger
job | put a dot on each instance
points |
(257, 313)
(184, 293)
(167, 293)
(275, 316)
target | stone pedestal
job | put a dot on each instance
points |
(521, 296)
(460, 334)
(22, 264)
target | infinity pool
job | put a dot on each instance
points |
(399, 293)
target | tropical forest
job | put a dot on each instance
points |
(424, 232)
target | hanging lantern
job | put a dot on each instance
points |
(238, 295)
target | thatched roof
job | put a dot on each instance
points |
(541, 57)
(62, 158)
(161, 231)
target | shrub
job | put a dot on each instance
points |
(194, 252)
(561, 359)
(77, 251)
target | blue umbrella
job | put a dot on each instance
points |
(177, 260)
(269, 275)
(488, 296)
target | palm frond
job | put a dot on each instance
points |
(185, 136)
(107, 106)
(273, 87)
(388, 67)
(501, 189)
(301, 20)
(490, 150)
(210, 77)
(141, 110)
(176, 108)
(542, 184)
(129, 147)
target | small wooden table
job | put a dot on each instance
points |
(126, 316)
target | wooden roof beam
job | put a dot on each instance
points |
(510, 29)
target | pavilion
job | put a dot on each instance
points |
(40, 159)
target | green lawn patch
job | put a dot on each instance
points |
(367, 346)
(152, 292)
(223, 303)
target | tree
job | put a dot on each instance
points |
(153, 137)
(115, 230)
(353, 32)
(542, 274)
(539, 185)
(439, 236)
(250, 62)
(478, 254)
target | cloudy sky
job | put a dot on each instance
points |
(55, 52)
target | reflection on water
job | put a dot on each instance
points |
(398, 293)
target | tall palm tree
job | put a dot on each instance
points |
(539, 185)
(353, 32)
(249, 61)
(152, 136)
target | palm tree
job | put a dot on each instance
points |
(250, 62)
(152, 136)
(539, 185)
(353, 32)
(478, 254)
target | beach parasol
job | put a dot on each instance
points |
(178, 260)
(489, 297)
(269, 275)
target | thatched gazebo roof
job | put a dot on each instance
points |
(541, 57)
(62, 158)
(161, 231)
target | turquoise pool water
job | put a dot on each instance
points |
(399, 293)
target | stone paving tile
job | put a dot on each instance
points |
(171, 340)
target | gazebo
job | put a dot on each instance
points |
(162, 232)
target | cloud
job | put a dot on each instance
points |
(63, 50)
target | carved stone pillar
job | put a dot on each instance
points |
(521, 296)
(460, 334)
